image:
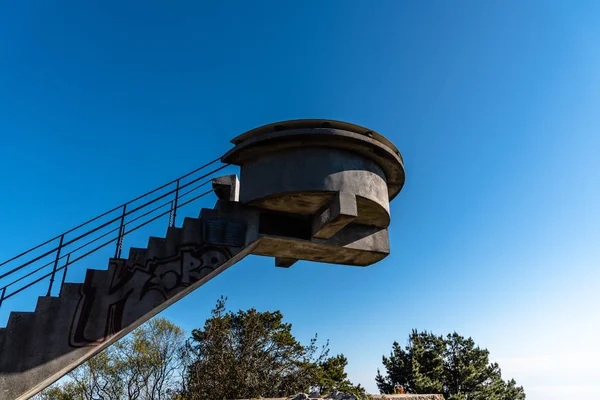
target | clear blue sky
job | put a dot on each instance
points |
(494, 105)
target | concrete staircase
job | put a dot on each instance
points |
(39, 347)
(313, 190)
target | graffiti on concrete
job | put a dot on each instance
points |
(135, 288)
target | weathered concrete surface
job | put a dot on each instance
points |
(342, 210)
(227, 187)
(297, 134)
(303, 181)
(298, 166)
(314, 194)
(39, 347)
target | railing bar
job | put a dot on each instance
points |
(166, 212)
(138, 227)
(31, 273)
(29, 285)
(196, 188)
(145, 204)
(182, 177)
(196, 198)
(148, 212)
(97, 248)
(62, 282)
(120, 238)
(34, 248)
(108, 223)
(128, 222)
(63, 256)
(175, 204)
(96, 239)
(115, 229)
(60, 246)
(171, 214)
(110, 211)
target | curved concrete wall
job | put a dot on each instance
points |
(304, 180)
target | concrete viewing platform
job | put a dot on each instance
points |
(310, 190)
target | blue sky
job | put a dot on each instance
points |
(494, 105)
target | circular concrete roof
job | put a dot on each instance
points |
(321, 133)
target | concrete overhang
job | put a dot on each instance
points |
(302, 133)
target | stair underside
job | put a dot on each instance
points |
(39, 347)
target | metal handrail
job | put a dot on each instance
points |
(104, 225)
(61, 252)
(113, 210)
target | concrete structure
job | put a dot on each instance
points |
(310, 190)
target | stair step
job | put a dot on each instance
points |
(19, 318)
(192, 231)
(137, 255)
(156, 247)
(44, 304)
(99, 276)
(173, 240)
(112, 261)
(70, 289)
(115, 266)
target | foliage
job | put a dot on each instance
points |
(247, 354)
(252, 354)
(154, 357)
(64, 392)
(452, 366)
(331, 375)
(145, 365)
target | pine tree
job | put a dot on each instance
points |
(453, 366)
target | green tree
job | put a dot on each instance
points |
(236, 355)
(153, 359)
(65, 391)
(451, 365)
(146, 365)
(331, 374)
(251, 354)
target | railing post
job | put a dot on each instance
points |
(171, 214)
(65, 272)
(121, 233)
(2, 295)
(62, 238)
(175, 206)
